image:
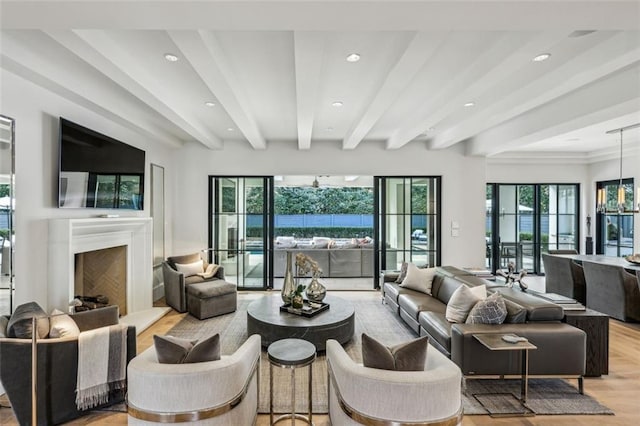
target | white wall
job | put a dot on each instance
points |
(463, 184)
(36, 112)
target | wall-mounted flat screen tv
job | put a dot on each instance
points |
(97, 171)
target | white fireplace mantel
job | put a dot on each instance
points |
(70, 236)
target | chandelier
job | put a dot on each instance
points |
(601, 205)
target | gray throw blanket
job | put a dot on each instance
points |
(102, 362)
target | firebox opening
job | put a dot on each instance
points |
(103, 273)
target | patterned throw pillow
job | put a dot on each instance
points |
(408, 356)
(491, 310)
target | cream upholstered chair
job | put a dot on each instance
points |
(223, 392)
(361, 395)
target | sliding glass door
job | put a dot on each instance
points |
(524, 221)
(241, 229)
(407, 220)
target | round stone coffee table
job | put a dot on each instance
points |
(265, 318)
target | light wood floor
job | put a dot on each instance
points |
(619, 390)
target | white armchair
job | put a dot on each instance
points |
(361, 395)
(223, 392)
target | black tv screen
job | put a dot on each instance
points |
(97, 171)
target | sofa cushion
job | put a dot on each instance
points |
(407, 356)
(437, 326)
(209, 289)
(176, 350)
(537, 309)
(20, 326)
(189, 269)
(62, 325)
(491, 310)
(446, 289)
(418, 279)
(516, 314)
(393, 290)
(462, 301)
(414, 302)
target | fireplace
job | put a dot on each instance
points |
(103, 273)
(72, 239)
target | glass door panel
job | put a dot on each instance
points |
(239, 229)
(614, 230)
(409, 221)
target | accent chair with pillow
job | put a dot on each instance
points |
(58, 360)
(194, 285)
(221, 392)
(395, 397)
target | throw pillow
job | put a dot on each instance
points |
(491, 310)
(403, 273)
(4, 321)
(20, 322)
(462, 301)
(205, 350)
(175, 350)
(189, 269)
(408, 356)
(418, 279)
(62, 325)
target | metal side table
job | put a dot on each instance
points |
(291, 354)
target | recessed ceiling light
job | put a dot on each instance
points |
(230, 129)
(337, 104)
(470, 104)
(329, 129)
(542, 57)
(431, 129)
(353, 57)
(210, 104)
(170, 57)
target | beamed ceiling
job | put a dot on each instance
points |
(273, 69)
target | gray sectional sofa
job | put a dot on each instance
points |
(561, 347)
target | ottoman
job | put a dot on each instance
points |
(211, 298)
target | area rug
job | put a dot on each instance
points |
(545, 396)
(553, 396)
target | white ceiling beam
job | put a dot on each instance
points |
(584, 69)
(601, 101)
(503, 57)
(414, 58)
(109, 57)
(309, 56)
(210, 62)
(79, 88)
(319, 15)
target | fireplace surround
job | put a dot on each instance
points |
(68, 237)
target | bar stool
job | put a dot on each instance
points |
(291, 354)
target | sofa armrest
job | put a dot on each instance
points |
(96, 318)
(220, 273)
(561, 350)
(174, 288)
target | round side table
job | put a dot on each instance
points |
(291, 354)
